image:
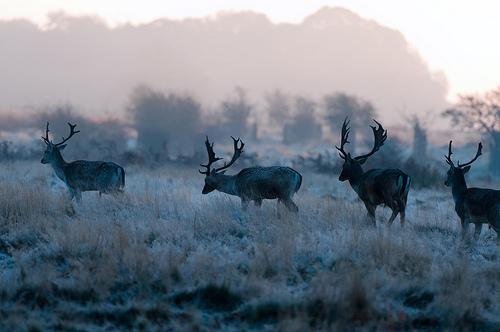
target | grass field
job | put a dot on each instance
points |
(164, 257)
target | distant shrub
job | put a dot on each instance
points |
(303, 127)
(423, 176)
(167, 125)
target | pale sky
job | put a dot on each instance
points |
(456, 37)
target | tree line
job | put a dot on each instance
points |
(170, 126)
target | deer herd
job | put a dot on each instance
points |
(373, 187)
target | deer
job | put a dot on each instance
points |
(376, 186)
(253, 183)
(472, 205)
(82, 175)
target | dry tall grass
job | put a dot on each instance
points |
(164, 257)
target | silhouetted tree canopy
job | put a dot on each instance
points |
(360, 112)
(303, 127)
(235, 113)
(167, 125)
(277, 107)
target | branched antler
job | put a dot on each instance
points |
(450, 162)
(211, 157)
(46, 137)
(72, 131)
(448, 157)
(344, 138)
(236, 154)
(380, 135)
(478, 153)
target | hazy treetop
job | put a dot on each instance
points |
(83, 61)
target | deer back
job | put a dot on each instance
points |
(267, 182)
(383, 186)
(94, 175)
(481, 205)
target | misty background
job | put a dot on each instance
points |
(83, 61)
(149, 93)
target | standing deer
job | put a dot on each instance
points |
(376, 186)
(472, 205)
(82, 175)
(253, 183)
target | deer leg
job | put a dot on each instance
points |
(393, 216)
(291, 206)
(477, 230)
(279, 207)
(371, 213)
(244, 204)
(78, 196)
(465, 224)
(258, 202)
(402, 217)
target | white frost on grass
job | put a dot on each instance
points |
(86, 264)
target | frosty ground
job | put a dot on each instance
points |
(164, 257)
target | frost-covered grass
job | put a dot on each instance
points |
(164, 257)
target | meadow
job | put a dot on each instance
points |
(165, 257)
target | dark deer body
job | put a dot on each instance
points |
(253, 183)
(81, 175)
(472, 205)
(376, 186)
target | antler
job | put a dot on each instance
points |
(236, 154)
(380, 135)
(448, 157)
(46, 138)
(72, 131)
(478, 153)
(344, 137)
(211, 157)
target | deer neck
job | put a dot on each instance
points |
(58, 164)
(227, 184)
(458, 188)
(355, 180)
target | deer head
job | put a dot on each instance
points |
(212, 176)
(53, 150)
(352, 165)
(456, 172)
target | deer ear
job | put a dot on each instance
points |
(466, 169)
(61, 147)
(361, 161)
(222, 172)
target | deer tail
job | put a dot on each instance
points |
(407, 184)
(299, 183)
(122, 176)
(404, 183)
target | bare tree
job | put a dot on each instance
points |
(338, 106)
(481, 113)
(419, 139)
